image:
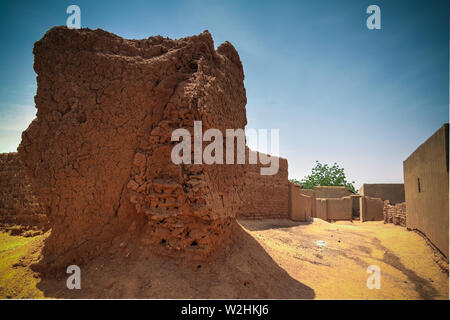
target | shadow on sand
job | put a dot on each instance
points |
(244, 270)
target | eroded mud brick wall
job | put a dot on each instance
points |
(18, 204)
(99, 150)
(265, 196)
(395, 214)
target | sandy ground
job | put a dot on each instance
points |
(268, 259)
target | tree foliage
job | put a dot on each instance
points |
(325, 175)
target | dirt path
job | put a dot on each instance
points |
(338, 269)
(269, 259)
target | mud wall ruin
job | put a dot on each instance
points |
(18, 204)
(394, 192)
(395, 214)
(99, 150)
(427, 191)
(265, 196)
(371, 209)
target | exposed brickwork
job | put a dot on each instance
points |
(395, 214)
(265, 196)
(18, 204)
(99, 151)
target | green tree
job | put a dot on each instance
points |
(325, 175)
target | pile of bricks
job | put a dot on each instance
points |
(395, 214)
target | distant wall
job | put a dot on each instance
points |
(395, 214)
(394, 192)
(332, 192)
(334, 208)
(18, 204)
(371, 209)
(265, 196)
(339, 209)
(426, 189)
(301, 206)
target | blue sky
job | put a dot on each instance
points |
(337, 91)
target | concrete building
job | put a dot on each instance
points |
(427, 189)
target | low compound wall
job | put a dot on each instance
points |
(340, 209)
(334, 208)
(301, 206)
(371, 209)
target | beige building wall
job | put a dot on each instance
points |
(301, 206)
(340, 209)
(427, 191)
(371, 209)
(310, 193)
(331, 192)
(394, 192)
(334, 208)
(321, 209)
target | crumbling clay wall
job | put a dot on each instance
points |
(18, 204)
(265, 196)
(371, 209)
(99, 150)
(301, 206)
(395, 214)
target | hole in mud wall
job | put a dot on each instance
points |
(194, 243)
(163, 242)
